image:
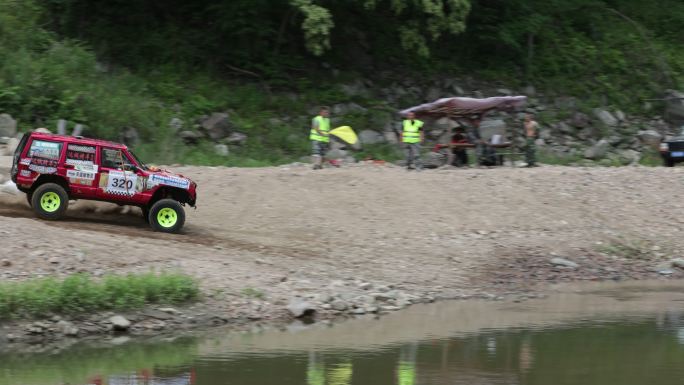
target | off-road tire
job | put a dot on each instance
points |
(50, 201)
(668, 162)
(167, 215)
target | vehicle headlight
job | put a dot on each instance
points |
(664, 147)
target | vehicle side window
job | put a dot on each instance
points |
(45, 150)
(78, 154)
(112, 158)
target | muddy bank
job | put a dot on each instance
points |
(366, 239)
(562, 304)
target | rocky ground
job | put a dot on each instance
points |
(270, 244)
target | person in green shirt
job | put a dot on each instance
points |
(320, 137)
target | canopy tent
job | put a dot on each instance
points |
(465, 107)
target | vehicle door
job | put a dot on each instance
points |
(118, 180)
(81, 169)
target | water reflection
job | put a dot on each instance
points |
(624, 349)
(146, 377)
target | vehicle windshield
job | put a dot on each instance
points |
(137, 160)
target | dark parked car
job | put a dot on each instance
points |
(672, 150)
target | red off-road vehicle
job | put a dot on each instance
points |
(53, 169)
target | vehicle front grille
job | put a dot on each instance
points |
(676, 146)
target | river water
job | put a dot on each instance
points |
(601, 334)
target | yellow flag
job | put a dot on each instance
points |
(345, 133)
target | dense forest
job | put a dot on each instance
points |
(139, 63)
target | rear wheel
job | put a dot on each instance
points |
(167, 215)
(50, 201)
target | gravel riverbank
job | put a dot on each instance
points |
(270, 244)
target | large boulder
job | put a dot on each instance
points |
(565, 128)
(355, 89)
(221, 149)
(12, 145)
(348, 108)
(650, 137)
(605, 117)
(217, 125)
(391, 137)
(300, 308)
(433, 159)
(579, 120)
(237, 138)
(435, 134)
(8, 126)
(629, 156)
(598, 150)
(562, 262)
(190, 137)
(176, 124)
(444, 124)
(433, 93)
(119, 323)
(371, 137)
(130, 136)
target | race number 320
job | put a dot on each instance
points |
(121, 183)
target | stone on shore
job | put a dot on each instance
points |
(300, 308)
(120, 323)
(564, 263)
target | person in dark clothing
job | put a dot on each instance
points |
(460, 157)
(456, 155)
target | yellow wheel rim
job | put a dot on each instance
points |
(167, 217)
(50, 202)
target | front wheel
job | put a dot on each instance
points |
(50, 201)
(668, 162)
(167, 215)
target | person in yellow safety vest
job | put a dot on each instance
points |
(412, 136)
(320, 137)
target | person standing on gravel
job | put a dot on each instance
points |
(531, 131)
(412, 136)
(320, 137)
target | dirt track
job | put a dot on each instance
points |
(290, 231)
